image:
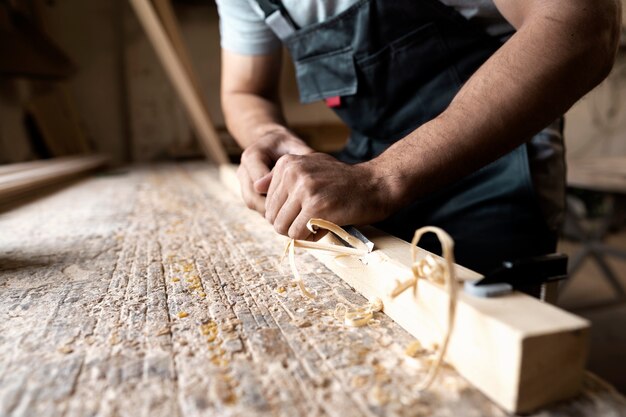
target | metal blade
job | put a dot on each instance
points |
(357, 234)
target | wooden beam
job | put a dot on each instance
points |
(167, 16)
(522, 353)
(19, 179)
(182, 81)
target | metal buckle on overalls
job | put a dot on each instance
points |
(519, 275)
(280, 25)
(277, 18)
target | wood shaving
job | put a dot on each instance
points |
(434, 270)
(414, 349)
(291, 250)
(65, 349)
(358, 248)
(164, 331)
(357, 317)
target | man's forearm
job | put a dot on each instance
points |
(532, 80)
(250, 116)
(250, 95)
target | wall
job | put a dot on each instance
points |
(90, 33)
(159, 127)
(596, 125)
(14, 144)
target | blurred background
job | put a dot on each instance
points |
(81, 77)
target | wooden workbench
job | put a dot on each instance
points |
(154, 292)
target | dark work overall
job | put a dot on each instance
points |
(390, 66)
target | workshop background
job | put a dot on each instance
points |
(80, 76)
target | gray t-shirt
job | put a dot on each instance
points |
(244, 31)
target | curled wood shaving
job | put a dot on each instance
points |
(360, 316)
(291, 250)
(358, 248)
(441, 273)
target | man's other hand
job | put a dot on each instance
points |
(258, 159)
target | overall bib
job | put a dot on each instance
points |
(390, 66)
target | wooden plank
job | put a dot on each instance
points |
(522, 353)
(539, 351)
(92, 281)
(166, 14)
(183, 83)
(19, 179)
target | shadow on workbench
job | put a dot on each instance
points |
(608, 338)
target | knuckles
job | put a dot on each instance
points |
(281, 229)
(322, 205)
(248, 154)
(250, 204)
(296, 234)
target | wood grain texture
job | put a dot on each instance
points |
(156, 293)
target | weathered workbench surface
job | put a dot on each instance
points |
(155, 292)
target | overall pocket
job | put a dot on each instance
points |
(327, 75)
(403, 85)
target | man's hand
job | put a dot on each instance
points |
(317, 185)
(259, 158)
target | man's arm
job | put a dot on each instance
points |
(561, 50)
(251, 106)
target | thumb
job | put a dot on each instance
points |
(257, 167)
(262, 185)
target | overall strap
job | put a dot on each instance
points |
(277, 17)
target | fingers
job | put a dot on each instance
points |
(252, 199)
(256, 162)
(298, 229)
(285, 198)
(254, 165)
(283, 204)
(277, 194)
(262, 185)
(285, 218)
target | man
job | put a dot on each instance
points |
(448, 103)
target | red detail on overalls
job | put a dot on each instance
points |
(333, 101)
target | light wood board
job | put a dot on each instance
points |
(521, 352)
